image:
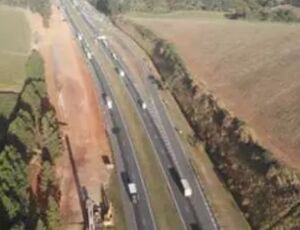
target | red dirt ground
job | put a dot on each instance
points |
(71, 91)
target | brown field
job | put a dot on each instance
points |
(252, 68)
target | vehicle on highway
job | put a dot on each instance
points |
(133, 192)
(109, 102)
(120, 72)
(79, 36)
(187, 190)
(114, 56)
(88, 53)
(144, 105)
(101, 37)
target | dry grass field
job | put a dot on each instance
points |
(14, 48)
(252, 67)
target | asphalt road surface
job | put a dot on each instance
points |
(194, 210)
(129, 172)
(172, 157)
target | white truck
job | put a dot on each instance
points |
(144, 105)
(108, 102)
(115, 56)
(132, 192)
(121, 73)
(101, 37)
(79, 36)
(88, 53)
(187, 190)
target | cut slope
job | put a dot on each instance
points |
(251, 67)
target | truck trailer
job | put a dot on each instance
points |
(187, 190)
(132, 192)
(108, 102)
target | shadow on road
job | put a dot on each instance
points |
(176, 177)
(81, 190)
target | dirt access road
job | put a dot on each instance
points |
(72, 92)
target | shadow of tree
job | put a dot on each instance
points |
(81, 191)
(3, 130)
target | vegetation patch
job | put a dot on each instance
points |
(29, 188)
(7, 105)
(246, 9)
(267, 191)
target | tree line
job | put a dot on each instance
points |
(29, 190)
(234, 9)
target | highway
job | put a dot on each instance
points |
(170, 152)
(195, 211)
(139, 215)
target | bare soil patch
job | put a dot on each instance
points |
(72, 92)
(253, 68)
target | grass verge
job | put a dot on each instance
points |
(115, 197)
(227, 212)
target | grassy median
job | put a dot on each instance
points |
(115, 197)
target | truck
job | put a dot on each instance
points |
(88, 53)
(108, 102)
(144, 105)
(132, 192)
(101, 37)
(121, 72)
(79, 36)
(187, 190)
(114, 56)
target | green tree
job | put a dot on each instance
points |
(43, 7)
(22, 128)
(51, 135)
(35, 66)
(18, 226)
(52, 214)
(14, 184)
(46, 177)
(40, 225)
(108, 7)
